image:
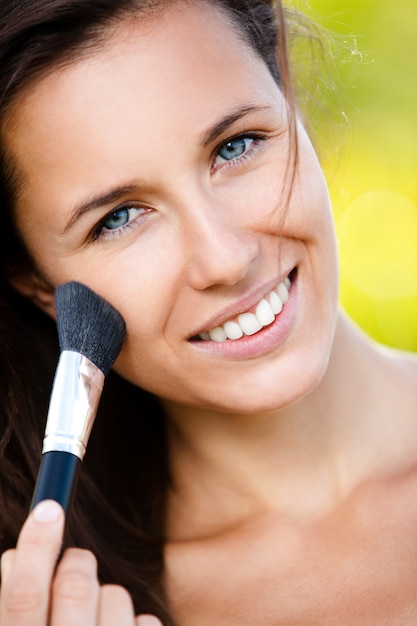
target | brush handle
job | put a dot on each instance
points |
(57, 478)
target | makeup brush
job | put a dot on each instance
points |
(91, 334)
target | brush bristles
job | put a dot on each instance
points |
(89, 325)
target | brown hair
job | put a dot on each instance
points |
(120, 502)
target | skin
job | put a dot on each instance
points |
(35, 591)
(294, 470)
(203, 257)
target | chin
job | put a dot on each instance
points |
(268, 390)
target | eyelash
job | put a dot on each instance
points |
(100, 233)
(257, 139)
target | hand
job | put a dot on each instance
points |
(33, 593)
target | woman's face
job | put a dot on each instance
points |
(152, 171)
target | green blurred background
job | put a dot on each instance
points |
(367, 137)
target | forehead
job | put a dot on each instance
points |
(148, 80)
(179, 26)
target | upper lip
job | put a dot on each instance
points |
(241, 306)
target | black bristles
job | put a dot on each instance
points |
(89, 325)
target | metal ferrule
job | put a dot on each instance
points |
(74, 402)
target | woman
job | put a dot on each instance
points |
(254, 461)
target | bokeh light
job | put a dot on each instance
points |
(373, 177)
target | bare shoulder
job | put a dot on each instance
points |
(398, 372)
(405, 362)
(356, 566)
(394, 412)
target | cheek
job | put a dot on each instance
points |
(311, 185)
(143, 284)
(255, 203)
(148, 362)
(146, 351)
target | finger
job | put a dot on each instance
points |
(6, 563)
(75, 590)
(25, 591)
(148, 620)
(116, 607)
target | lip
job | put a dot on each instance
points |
(265, 340)
(242, 306)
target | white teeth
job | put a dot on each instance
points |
(264, 313)
(275, 302)
(249, 323)
(283, 293)
(233, 330)
(218, 335)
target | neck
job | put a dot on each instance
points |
(299, 460)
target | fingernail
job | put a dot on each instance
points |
(149, 620)
(47, 511)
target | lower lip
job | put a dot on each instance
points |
(262, 342)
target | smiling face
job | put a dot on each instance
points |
(152, 171)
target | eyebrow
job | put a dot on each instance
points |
(115, 193)
(228, 120)
(108, 197)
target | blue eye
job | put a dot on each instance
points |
(234, 148)
(119, 218)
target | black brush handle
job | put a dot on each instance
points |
(57, 478)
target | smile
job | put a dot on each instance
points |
(249, 323)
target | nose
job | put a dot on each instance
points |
(219, 253)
